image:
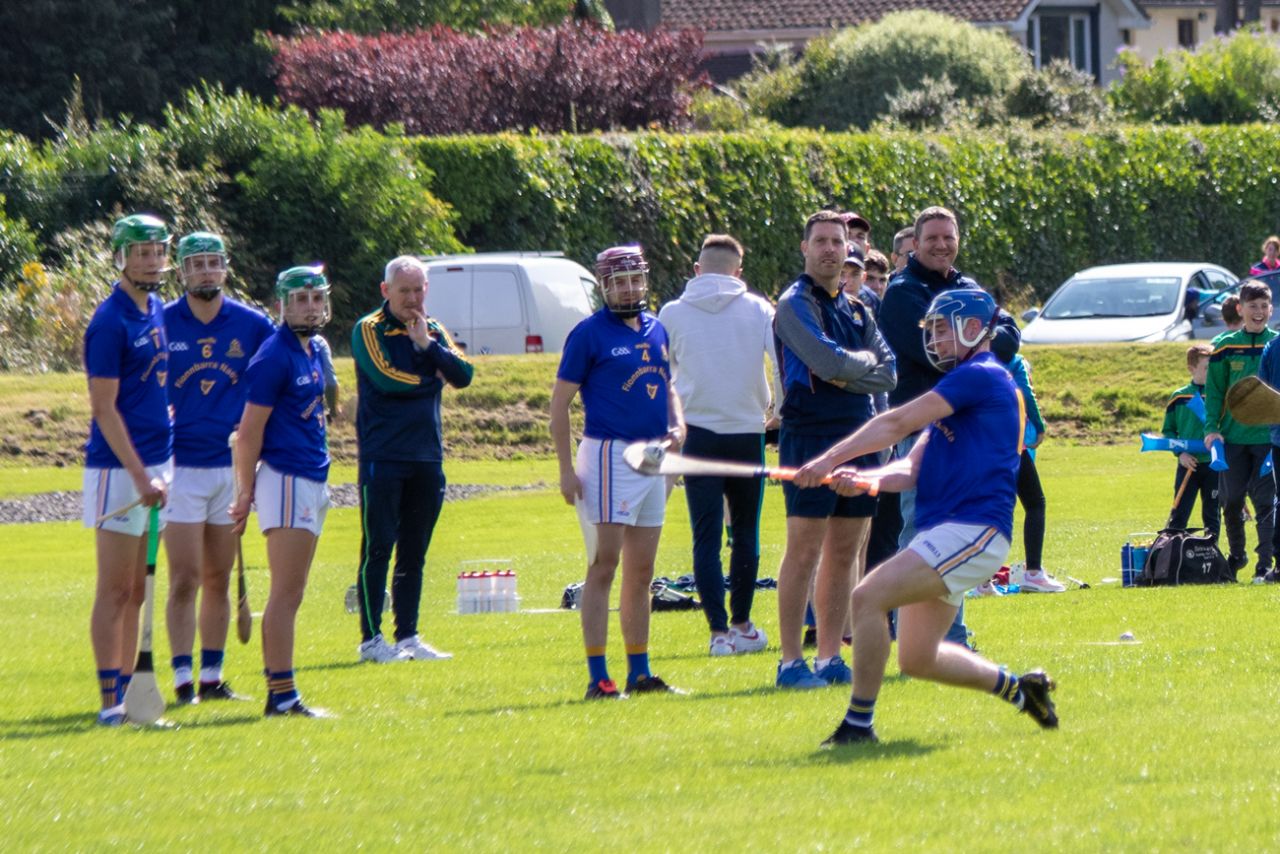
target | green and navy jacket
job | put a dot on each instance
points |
(1235, 356)
(1179, 421)
(398, 417)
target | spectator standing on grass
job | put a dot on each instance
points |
(928, 272)
(404, 360)
(618, 359)
(904, 243)
(1269, 373)
(1231, 314)
(211, 340)
(964, 467)
(282, 466)
(720, 335)
(1270, 257)
(832, 360)
(1181, 422)
(129, 455)
(1237, 355)
(1030, 492)
(875, 278)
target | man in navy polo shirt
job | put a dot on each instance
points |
(617, 359)
(833, 359)
(128, 458)
(283, 425)
(211, 340)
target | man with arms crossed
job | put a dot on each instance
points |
(129, 456)
(720, 335)
(618, 359)
(964, 469)
(832, 360)
(211, 340)
(403, 361)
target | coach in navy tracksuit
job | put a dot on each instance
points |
(929, 272)
(403, 361)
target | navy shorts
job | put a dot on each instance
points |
(796, 449)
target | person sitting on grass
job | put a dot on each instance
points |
(1181, 422)
(964, 468)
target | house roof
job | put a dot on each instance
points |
(739, 15)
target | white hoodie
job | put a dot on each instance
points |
(719, 337)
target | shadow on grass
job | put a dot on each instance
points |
(332, 665)
(897, 749)
(75, 723)
(509, 708)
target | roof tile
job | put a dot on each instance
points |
(720, 15)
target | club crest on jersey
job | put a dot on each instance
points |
(205, 385)
(162, 377)
(235, 351)
(652, 388)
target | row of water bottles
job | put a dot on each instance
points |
(487, 587)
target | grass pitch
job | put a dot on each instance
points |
(1166, 744)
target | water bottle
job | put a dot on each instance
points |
(1126, 565)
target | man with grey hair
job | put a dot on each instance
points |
(403, 360)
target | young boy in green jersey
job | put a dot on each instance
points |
(1181, 421)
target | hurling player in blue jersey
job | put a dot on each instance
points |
(617, 359)
(211, 340)
(128, 458)
(283, 427)
(964, 469)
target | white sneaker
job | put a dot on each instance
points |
(986, 588)
(1039, 581)
(379, 651)
(415, 649)
(751, 641)
(721, 645)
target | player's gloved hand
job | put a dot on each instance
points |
(1187, 461)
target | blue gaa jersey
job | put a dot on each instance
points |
(623, 373)
(124, 344)
(283, 376)
(207, 363)
(969, 473)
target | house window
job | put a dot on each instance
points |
(1061, 35)
(1186, 32)
(1126, 37)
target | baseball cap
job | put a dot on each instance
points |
(852, 219)
(855, 258)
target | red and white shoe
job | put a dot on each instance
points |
(1039, 581)
(752, 640)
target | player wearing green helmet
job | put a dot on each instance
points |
(202, 264)
(303, 294)
(140, 244)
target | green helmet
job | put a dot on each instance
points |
(138, 228)
(301, 277)
(200, 243)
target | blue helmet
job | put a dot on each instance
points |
(956, 308)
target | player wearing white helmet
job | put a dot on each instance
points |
(965, 469)
(617, 359)
(211, 340)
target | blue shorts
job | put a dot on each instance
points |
(796, 449)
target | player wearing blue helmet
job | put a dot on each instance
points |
(964, 469)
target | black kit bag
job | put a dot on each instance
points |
(1181, 556)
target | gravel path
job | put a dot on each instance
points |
(66, 506)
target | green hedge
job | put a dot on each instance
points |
(1034, 207)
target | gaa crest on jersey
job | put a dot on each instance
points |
(652, 388)
(162, 377)
(206, 385)
(235, 351)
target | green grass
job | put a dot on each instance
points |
(1166, 744)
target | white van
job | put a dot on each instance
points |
(509, 302)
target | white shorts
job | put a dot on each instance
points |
(963, 555)
(110, 489)
(289, 501)
(613, 493)
(200, 495)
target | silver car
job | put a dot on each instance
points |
(1156, 301)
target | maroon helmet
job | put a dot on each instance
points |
(617, 268)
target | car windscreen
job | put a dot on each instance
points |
(1136, 296)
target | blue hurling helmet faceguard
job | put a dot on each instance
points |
(956, 308)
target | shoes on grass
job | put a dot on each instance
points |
(847, 733)
(836, 672)
(798, 677)
(419, 651)
(1039, 581)
(1035, 687)
(721, 645)
(605, 689)
(377, 650)
(296, 710)
(753, 640)
(986, 588)
(219, 691)
(186, 694)
(651, 685)
(113, 716)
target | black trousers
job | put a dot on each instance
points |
(399, 505)
(1031, 494)
(1204, 483)
(1241, 477)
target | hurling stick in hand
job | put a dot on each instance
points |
(244, 617)
(142, 701)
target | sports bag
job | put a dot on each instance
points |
(1184, 557)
